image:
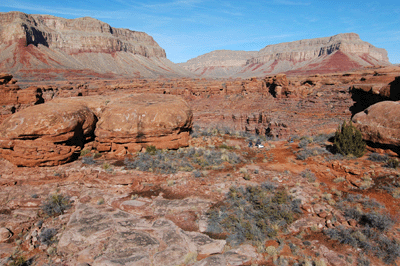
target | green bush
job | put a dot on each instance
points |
(348, 140)
(152, 150)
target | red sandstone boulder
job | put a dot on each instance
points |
(52, 133)
(130, 123)
(380, 123)
(45, 135)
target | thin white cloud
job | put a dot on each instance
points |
(19, 5)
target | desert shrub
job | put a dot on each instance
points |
(253, 213)
(322, 138)
(106, 166)
(151, 149)
(88, 160)
(392, 163)
(348, 140)
(46, 236)
(379, 221)
(225, 146)
(168, 162)
(365, 202)
(85, 152)
(18, 260)
(56, 204)
(363, 261)
(376, 157)
(305, 141)
(310, 176)
(197, 174)
(368, 240)
(306, 153)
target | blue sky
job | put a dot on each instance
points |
(189, 28)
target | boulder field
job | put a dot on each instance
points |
(53, 133)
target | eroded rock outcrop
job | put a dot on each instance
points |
(53, 133)
(130, 123)
(380, 123)
(12, 94)
(46, 134)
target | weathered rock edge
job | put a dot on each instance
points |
(53, 133)
(379, 123)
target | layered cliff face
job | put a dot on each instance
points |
(341, 52)
(44, 42)
(218, 63)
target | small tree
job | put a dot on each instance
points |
(348, 140)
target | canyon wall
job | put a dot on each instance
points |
(45, 44)
(341, 52)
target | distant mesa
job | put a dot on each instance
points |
(342, 52)
(48, 47)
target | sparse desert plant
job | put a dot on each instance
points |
(89, 160)
(46, 236)
(310, 176)
(56, 204)
(305, 141)
(369, 241)
(152, 150)
(253, 213)
(376, 157)
(363, 261)
(18, 260)
(322, 138)
(85, 152)
(392, 163)
(106, 166)
(305, 153)
(188, 159)
(370, 234)
(339, 179)
(271, 250)
(197, 174)
(225, 146)
(348, 140)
